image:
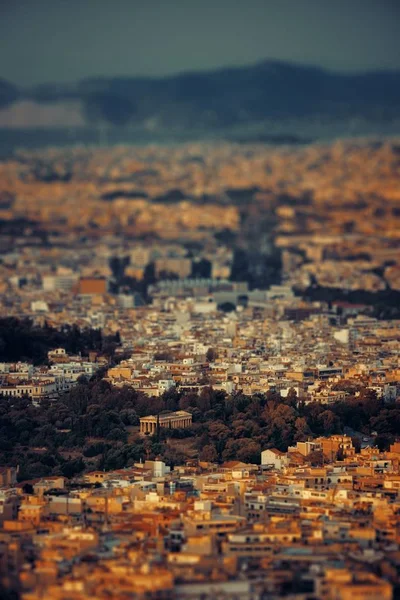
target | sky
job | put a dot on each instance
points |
(66, 40)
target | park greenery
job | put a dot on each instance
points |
(95, 426)
(21, 340)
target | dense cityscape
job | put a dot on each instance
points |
(199, 373)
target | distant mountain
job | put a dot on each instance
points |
(8, 93)
(222, 98)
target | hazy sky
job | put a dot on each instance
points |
(64, 40)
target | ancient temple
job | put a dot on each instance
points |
(173, 420)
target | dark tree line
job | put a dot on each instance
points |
(384, 303)
(22, 340)
(97, 422)
(258, 269)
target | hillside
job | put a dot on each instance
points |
(228, 97)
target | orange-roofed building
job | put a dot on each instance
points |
(92, 285)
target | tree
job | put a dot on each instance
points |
(211, 355)
(316, 458)
(167, 356)
(340, 454)
(118, 265)
(241, 402)
(229, 450)
(149, 275)
(174, 456)
(187, 401)
(171, 399)
(204, 399)
(372, 405)
(94, 449)
(249, 451)
(129, 417)
(291, 398)
(240, 265)
(201, 268)
(356, 444)
(218, 431)
(383, 441)
(387, 422)
(208, 453)
(226, 307)
(329, 422)
(346, 386)
(280, 424)
(117, 433)
(6, 593)
(303, 431)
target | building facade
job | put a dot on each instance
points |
(174, 420)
